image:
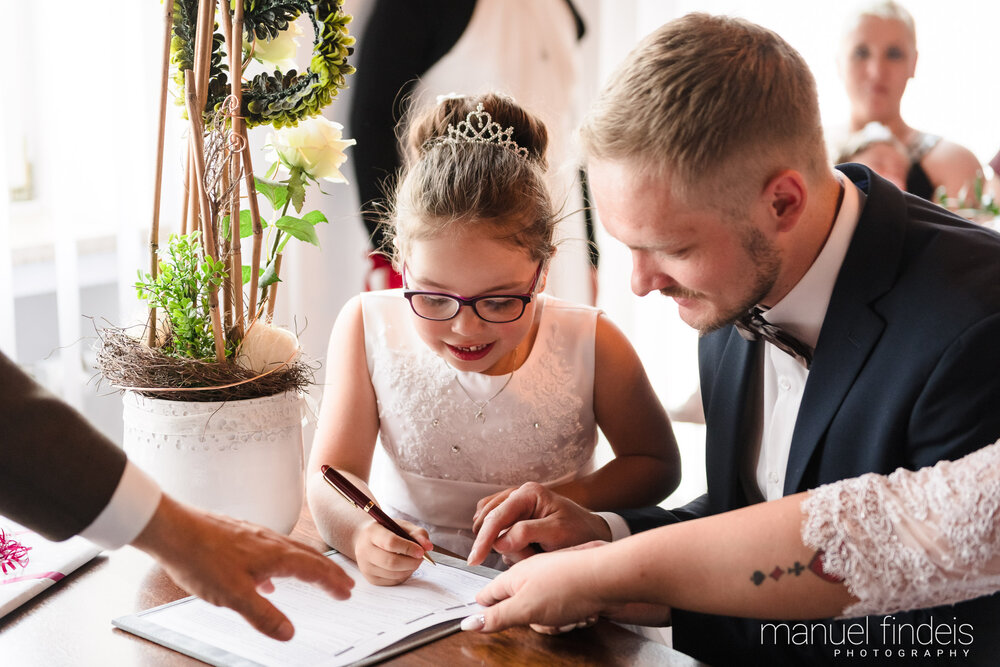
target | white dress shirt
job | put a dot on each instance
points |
(131, 507)
(801, 313)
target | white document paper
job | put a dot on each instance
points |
(328, 632)
(48, 562)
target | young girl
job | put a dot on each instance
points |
(474, 381)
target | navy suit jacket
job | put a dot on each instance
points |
(906, 372)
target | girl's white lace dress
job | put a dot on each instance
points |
(442, 459)
(911, 539)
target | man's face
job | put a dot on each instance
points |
(713, 266)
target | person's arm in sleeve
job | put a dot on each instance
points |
(872, 544)
(59, 476)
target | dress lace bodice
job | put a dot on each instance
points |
(539, 427)
(911, 539)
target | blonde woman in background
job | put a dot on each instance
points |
(878, 57)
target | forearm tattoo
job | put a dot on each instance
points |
(815, 566)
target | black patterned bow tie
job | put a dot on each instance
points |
(753, 326)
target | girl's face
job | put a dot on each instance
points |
(468, 265)
(877, 60)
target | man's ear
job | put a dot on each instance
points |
(786, 195)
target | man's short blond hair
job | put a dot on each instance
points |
(717, 104)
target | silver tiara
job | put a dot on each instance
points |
(479, 128)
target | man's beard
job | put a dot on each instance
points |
(766, 262)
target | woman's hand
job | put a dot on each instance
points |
(556, 592)
(386, 559)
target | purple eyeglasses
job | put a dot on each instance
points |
(493, 308)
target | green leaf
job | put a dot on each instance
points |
(275, 191)
(272, 170)
(300, 229)
(181, 290)
(297, 189)
(246, 225)
(314, 217)
(269, 277)
(247, 271)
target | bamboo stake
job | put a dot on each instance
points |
(227, 254)
(203, 49)
(233, 31)
(186, 204)
(202, 66)
(192, 190)
(258, 229)
(197, 143)
(239, 123)
(237, 249)
(194, 223)
(273, 289)
(154, 232)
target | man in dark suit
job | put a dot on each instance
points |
(706, 159)
(61, 477)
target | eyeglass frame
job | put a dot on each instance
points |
(471, 302)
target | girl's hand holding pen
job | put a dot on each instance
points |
(386, 559)
(387, 551)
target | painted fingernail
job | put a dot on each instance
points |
(477, 622)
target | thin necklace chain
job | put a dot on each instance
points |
(480, 415)
(481, 405)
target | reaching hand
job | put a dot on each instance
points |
(386, 559)
(512, 521)
(559, 591)
(229, 562)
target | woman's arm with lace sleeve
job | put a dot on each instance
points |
(912, 539)
(871, 544)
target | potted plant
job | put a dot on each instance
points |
(212, 389)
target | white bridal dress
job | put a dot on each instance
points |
(535, 425)
(911, 539)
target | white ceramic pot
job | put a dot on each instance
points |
(241, 458)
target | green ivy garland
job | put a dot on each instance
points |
(278, 99)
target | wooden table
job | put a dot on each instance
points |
(70, 624)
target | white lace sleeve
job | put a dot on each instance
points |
(912, 539)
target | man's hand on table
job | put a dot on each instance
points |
(229, 563)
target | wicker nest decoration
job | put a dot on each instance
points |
(129, 364)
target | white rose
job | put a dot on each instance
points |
(280, 51)
(316, 145)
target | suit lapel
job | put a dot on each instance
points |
(851, 327)
(727, 410)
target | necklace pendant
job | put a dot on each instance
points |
(480, 416)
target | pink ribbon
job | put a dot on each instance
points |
(54, 576)
(13, 554)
